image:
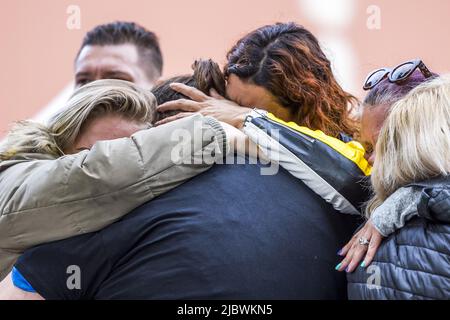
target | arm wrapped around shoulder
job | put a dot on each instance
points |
(48, 200)
(399, 208)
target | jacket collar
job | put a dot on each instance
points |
(434, 201)
(438, 182)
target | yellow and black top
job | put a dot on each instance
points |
(332, 168)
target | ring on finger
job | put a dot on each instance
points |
(363, 241)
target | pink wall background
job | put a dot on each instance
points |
(37, 48)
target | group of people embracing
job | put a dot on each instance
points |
(115, 198)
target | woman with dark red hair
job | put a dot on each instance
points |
(301, 118)
(279, 68)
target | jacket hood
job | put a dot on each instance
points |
(434, 202)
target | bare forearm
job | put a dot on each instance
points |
(8, 291)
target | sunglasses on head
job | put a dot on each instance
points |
(398, 74)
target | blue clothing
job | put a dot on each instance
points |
(20, 282)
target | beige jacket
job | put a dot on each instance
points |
(44, 199)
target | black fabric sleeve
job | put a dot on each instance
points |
(67, 269)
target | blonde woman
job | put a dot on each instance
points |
(410, 178)
(96, 161)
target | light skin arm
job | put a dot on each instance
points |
(214, 105)
(241, 144)
(354, 252)
(227, 112)
(8, 291)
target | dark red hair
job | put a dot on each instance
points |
(286, 59)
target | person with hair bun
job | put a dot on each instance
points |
(206, 238)
(94, 162)
(206, 76)
(278, 78)
(282, 69)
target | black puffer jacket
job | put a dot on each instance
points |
(414, 262)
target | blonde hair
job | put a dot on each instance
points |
(90, 101)
(414, 142)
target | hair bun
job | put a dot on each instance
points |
(207, 76)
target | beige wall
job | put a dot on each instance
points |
(37, 49)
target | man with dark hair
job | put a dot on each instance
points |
(230, 233)
(237, 231)
(119, 50)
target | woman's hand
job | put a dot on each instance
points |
(215, 106)
(364, 244)
(237, 140)
(241, 144)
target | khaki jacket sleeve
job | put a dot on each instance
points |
(43, 201)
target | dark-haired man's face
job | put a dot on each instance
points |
(111, 62)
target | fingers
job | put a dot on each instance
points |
(354, 251)
(343, 252)
(349, 258)
(181, 104)
(358, 255)
(375, 242)
(188, 91)
(173, 118)
(214, 94)
(358, 252)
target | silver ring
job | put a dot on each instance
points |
(363, 241)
